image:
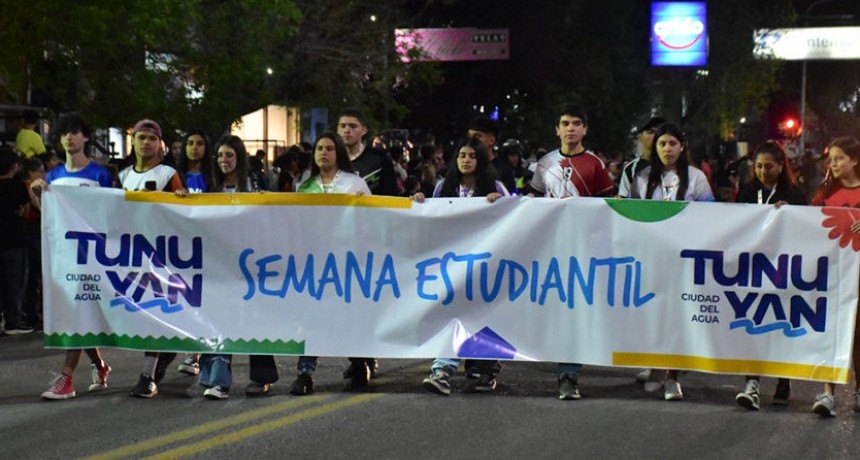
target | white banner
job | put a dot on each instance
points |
(727, 288)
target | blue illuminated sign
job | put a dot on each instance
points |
(679, 34)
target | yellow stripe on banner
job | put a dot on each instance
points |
(228, 438)
(732, 366)
(271, 199)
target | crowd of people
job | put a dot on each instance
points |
(350, 161)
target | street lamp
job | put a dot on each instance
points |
(803, 83)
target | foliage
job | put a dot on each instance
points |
(116, 61)
(737, 84)
(341, 58)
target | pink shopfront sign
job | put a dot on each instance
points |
(452, 44)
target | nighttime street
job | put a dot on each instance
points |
(396, 418)
(665, 191)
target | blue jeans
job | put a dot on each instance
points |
(569, 370)
(215, 371)
(307, 364)
(473, 366)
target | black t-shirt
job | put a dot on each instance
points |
(749, 194)
(377, 170)
(13, 195)
(505, 173)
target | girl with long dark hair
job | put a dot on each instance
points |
(773, 183)
(470, 174)
(196, 166)
(670, 177)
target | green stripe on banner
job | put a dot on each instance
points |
(241, 346)
(646, 211)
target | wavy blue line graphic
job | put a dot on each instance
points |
(158, 302)
(752, 329)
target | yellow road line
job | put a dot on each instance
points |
(254, 430)
(160, 441)
(732, 366)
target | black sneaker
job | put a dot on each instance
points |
(486, 383)
(304, 385)
(145, 388)
(356, 375)
(19, 329)
(164, 360)
(567, 389)
(373, 364)
(782, 393)
(257, 389)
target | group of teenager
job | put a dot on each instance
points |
(344, 163)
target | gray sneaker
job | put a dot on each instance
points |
(749, 398)
(824, 405)
(672, 390)
(568, 389)
(438, 382)
(643, 376)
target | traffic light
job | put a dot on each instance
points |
(790, 127)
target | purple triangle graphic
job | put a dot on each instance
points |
(486, 344)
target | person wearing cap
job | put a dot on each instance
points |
(568, 172)
(147, 173)
(645, 134)
(80, 171)
(372, 165)
(487, 131)
(512, 152)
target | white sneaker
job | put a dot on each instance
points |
(656, 378)
(100, 376)
(824, 405)
(216, 393)
(190, 366)
(643, 376)
(673, 391)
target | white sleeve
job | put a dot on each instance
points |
(537, 179)
(699, 184)
(624, 184)
(500, 188)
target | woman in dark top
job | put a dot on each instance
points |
(773, 183)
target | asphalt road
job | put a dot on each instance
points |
(397, 419)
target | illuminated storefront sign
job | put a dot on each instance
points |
(452, 44)
(823, 43)
(679, 34)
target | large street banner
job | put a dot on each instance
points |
(726, 288)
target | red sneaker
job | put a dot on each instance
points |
(61, 388)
